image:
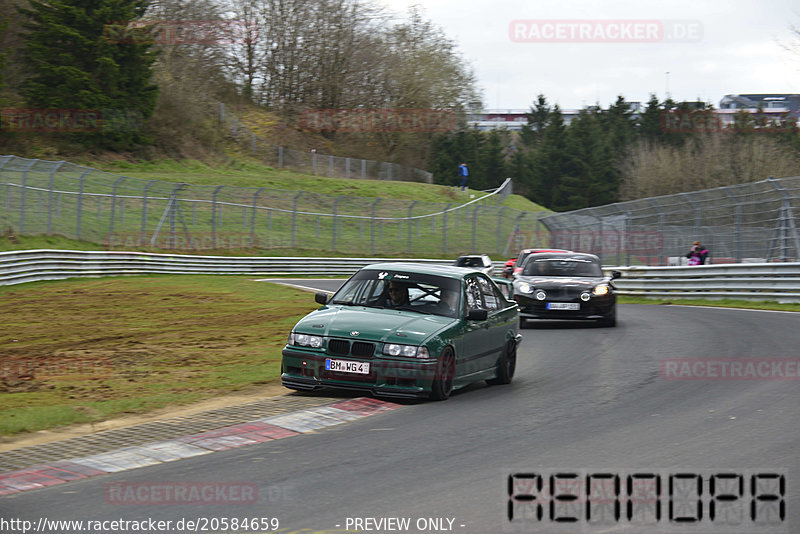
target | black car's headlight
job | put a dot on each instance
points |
(305, 340)
(525, 287)
(410, 351)
(601, 290)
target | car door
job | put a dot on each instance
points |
(478, 345)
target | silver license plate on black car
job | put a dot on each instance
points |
(563, 306)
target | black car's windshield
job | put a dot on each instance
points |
(563, 267)
(428, 294)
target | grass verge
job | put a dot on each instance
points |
(722, 303)
(80, 351)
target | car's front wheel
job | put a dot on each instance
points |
(506, 366)
(611, 318)
(446, 372)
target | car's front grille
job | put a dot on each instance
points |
(342, 347)
(339, 347)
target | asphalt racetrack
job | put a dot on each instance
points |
(585, 401)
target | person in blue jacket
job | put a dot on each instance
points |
(463, 172)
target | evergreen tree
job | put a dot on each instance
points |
(73, 65)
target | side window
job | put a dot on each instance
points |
(474, 300)
(490, 297)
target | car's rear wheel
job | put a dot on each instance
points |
(506, 366)
(443, 383)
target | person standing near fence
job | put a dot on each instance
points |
(697, 254)
(463, 173)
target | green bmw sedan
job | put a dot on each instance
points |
(405, 330)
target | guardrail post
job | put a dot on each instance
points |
(372, 225)
(410, 223)
(50, 197)
(22, 200)
(214, 216)
(253, 218)
(294, 216)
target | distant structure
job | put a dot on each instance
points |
(777, 106)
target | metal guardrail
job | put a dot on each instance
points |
(748, 281)
(753, 281)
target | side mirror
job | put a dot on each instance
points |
(615, 275)
(475, 314)
(321, 298)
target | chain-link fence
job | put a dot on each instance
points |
(45, 197)
(312, 162)
(751, 222)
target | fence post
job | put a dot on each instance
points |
(372, 225)
(280, 157)
(113, 206)
(294, 216)
(50, 197)
(499, 227)
(24, 189)
(330, 165)
(313, 161)
(253, 218)
(253, 142)
(363, 169)
(410, 223)
(335, 220)
(475, 227)
(444, 228)
(214, 216)
(347, 167)
(143, 235)
(80, 201)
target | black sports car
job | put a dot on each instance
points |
(565, 286)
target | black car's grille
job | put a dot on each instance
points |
(339, 347)
(342, 347)
(363, 349)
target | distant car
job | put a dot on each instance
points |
(565, 286)
(440, 328)
(524, 253)
(481, 262)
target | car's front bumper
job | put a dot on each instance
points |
(595, 308)
(387, 377)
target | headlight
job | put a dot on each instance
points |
(410, 351)
(525, 287)
(305, 340)
(600, 290)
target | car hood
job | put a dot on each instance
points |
(549, 282)
(372, 324)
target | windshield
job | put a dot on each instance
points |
(469, 262)
(563, 267)
(428, 294)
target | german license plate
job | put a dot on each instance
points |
(563, 306)
(347, 366)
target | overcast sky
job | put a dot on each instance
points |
(710, 48)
